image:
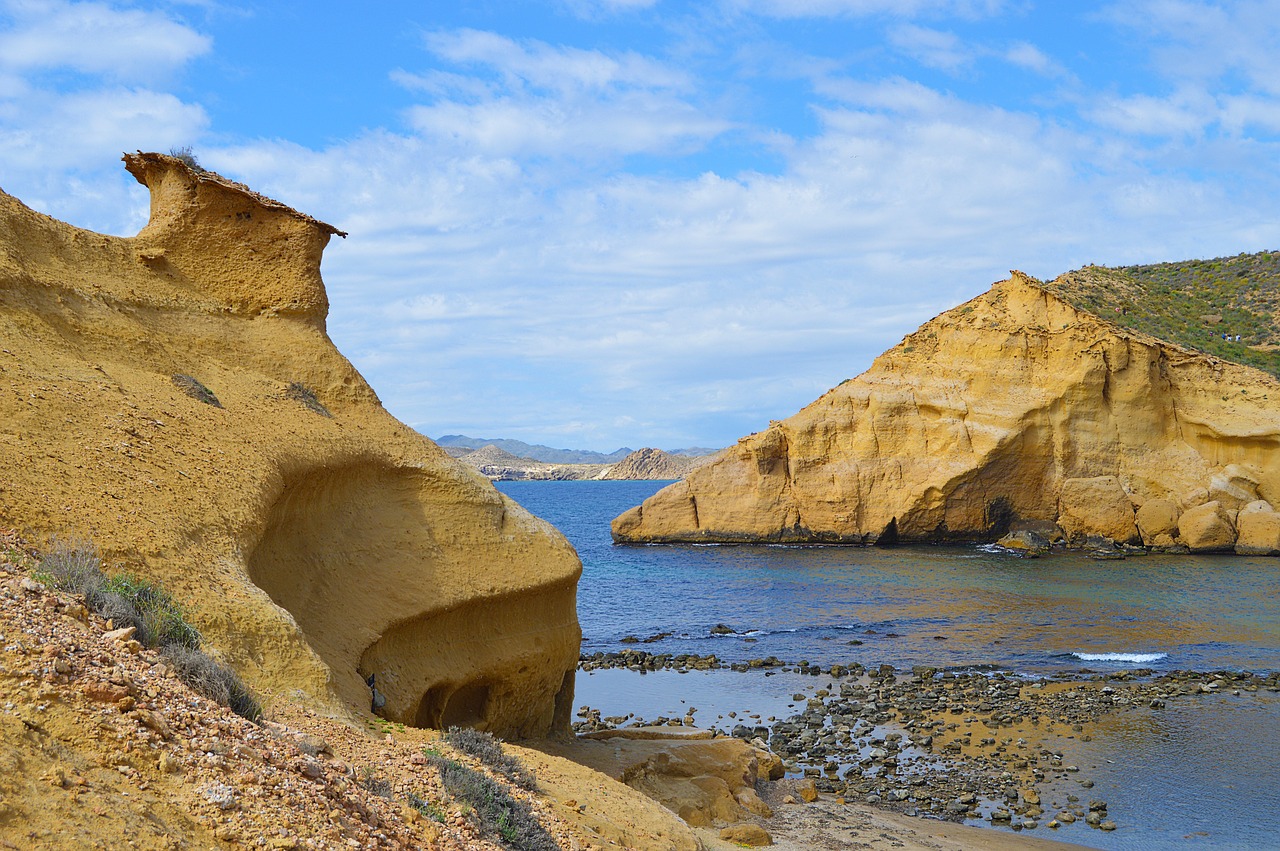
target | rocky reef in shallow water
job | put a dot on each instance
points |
(174, 398)
(1014, 411)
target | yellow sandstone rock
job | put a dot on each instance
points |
(981, 418)
(174, 398)
(1259, 528)
(1207, 528)
(1097, 506)
(1158, 517)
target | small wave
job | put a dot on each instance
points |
(1137, 658)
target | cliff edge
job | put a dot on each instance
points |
(1015, 408)
(173, 397)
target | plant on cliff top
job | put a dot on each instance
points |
(188, 158)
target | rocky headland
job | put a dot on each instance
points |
(1017, 412)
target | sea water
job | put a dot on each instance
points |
(1204, 773)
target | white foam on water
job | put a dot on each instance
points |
(1136, 658)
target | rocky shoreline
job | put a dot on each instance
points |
(961, 746)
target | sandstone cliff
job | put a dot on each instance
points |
(1012, 407)
(174, 398)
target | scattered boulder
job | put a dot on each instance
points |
(1259, 530)
(1096, 506)
(747, 833)
(703, 780)
(1158, 520)
(1207, 528)
(1025, 541)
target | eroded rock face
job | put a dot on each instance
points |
(314, 539)
(979, 419)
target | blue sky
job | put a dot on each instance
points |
(595, 223)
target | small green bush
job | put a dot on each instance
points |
(371, 782)
(188, 158)
(156, 617)
(193, 388)
(484, 747)
(300, 392)
(428, 808)
(500, 815)
(212, 679)
(159, 619)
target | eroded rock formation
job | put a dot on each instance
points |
(1014, 407)
(174, 398)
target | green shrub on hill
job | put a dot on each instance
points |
(1192, 303)
(158, 621)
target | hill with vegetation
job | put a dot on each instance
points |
(1200, 304)
(1027, 408)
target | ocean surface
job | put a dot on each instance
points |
(1203, 774)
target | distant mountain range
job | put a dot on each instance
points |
(547, 454)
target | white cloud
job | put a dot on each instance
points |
(554, 101)
(930, 47)
(540, 65)
(1026, 55)
(1241, 113)
(94, 38)
(1184, 113)
(1207, 41)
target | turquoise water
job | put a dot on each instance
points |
(1204, 774)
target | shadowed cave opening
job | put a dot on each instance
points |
(365, 558)
(445, 706)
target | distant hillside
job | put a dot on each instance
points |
(537, 452)
(1192, 303)
(655, 464)
(498, 464)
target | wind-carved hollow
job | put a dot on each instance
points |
(430, 587)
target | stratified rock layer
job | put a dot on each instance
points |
(1012, 406)
(313, 539)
